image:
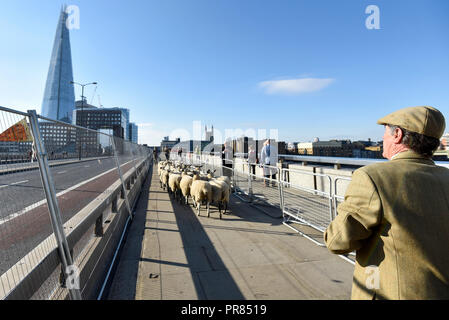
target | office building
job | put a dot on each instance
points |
(113, 119)
(132, 132)
(59, 95)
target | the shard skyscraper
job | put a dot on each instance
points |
(59, 96)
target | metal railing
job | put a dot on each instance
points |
(301, 197)
(62, 205)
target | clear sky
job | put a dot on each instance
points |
(308, 68)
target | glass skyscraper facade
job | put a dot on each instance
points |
(126, 115)
(133, 132)
(59, 95)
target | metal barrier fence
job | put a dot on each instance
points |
(307, 205)
(61, 187)
(302, 197)
(338, 197)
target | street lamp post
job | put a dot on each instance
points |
(82, 107)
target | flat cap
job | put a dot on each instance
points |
(424, 120)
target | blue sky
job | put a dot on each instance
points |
(307, 68)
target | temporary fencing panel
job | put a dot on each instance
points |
(307, 205)
(68, 172)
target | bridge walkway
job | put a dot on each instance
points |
(172, 254)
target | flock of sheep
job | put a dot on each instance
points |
(184, 181)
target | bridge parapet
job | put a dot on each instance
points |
(61, 223)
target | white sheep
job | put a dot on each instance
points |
(164, 179)
(220, 194)
(160, 167)
(201, 191)
(173, 183)
(185, 185)
(225, 179)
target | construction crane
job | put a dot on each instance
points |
(93, 95)
(99, 102)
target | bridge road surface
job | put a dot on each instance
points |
(172, 254)
(24, 217)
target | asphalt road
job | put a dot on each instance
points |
(24, 217)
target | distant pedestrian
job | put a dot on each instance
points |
(227, 155)
(167, 153)
(266, 161)
(155, 155)
(252, 160)
(396, 214)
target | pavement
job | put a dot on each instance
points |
(172, 254)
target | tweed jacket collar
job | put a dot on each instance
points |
(412, 155)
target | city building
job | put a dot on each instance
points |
(59, 140)
(167, 143)
(332, 148)
(340, 148)
(126, 115)
(59, 95)
(81, 104)
(112, 119)
(132, 132)
(305, 148)
(292, 147)
(210, 134)
(14, 148)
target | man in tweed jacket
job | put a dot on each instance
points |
(396, 214)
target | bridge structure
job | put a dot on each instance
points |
(103, 228)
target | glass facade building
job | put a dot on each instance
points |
(126, 114)
(133, 132)
(59, 95)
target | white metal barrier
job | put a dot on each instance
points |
(304, 205)
(294, 192)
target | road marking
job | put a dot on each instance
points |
(86, 166)
(62, 172)
(37, 204)
(13, 184)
